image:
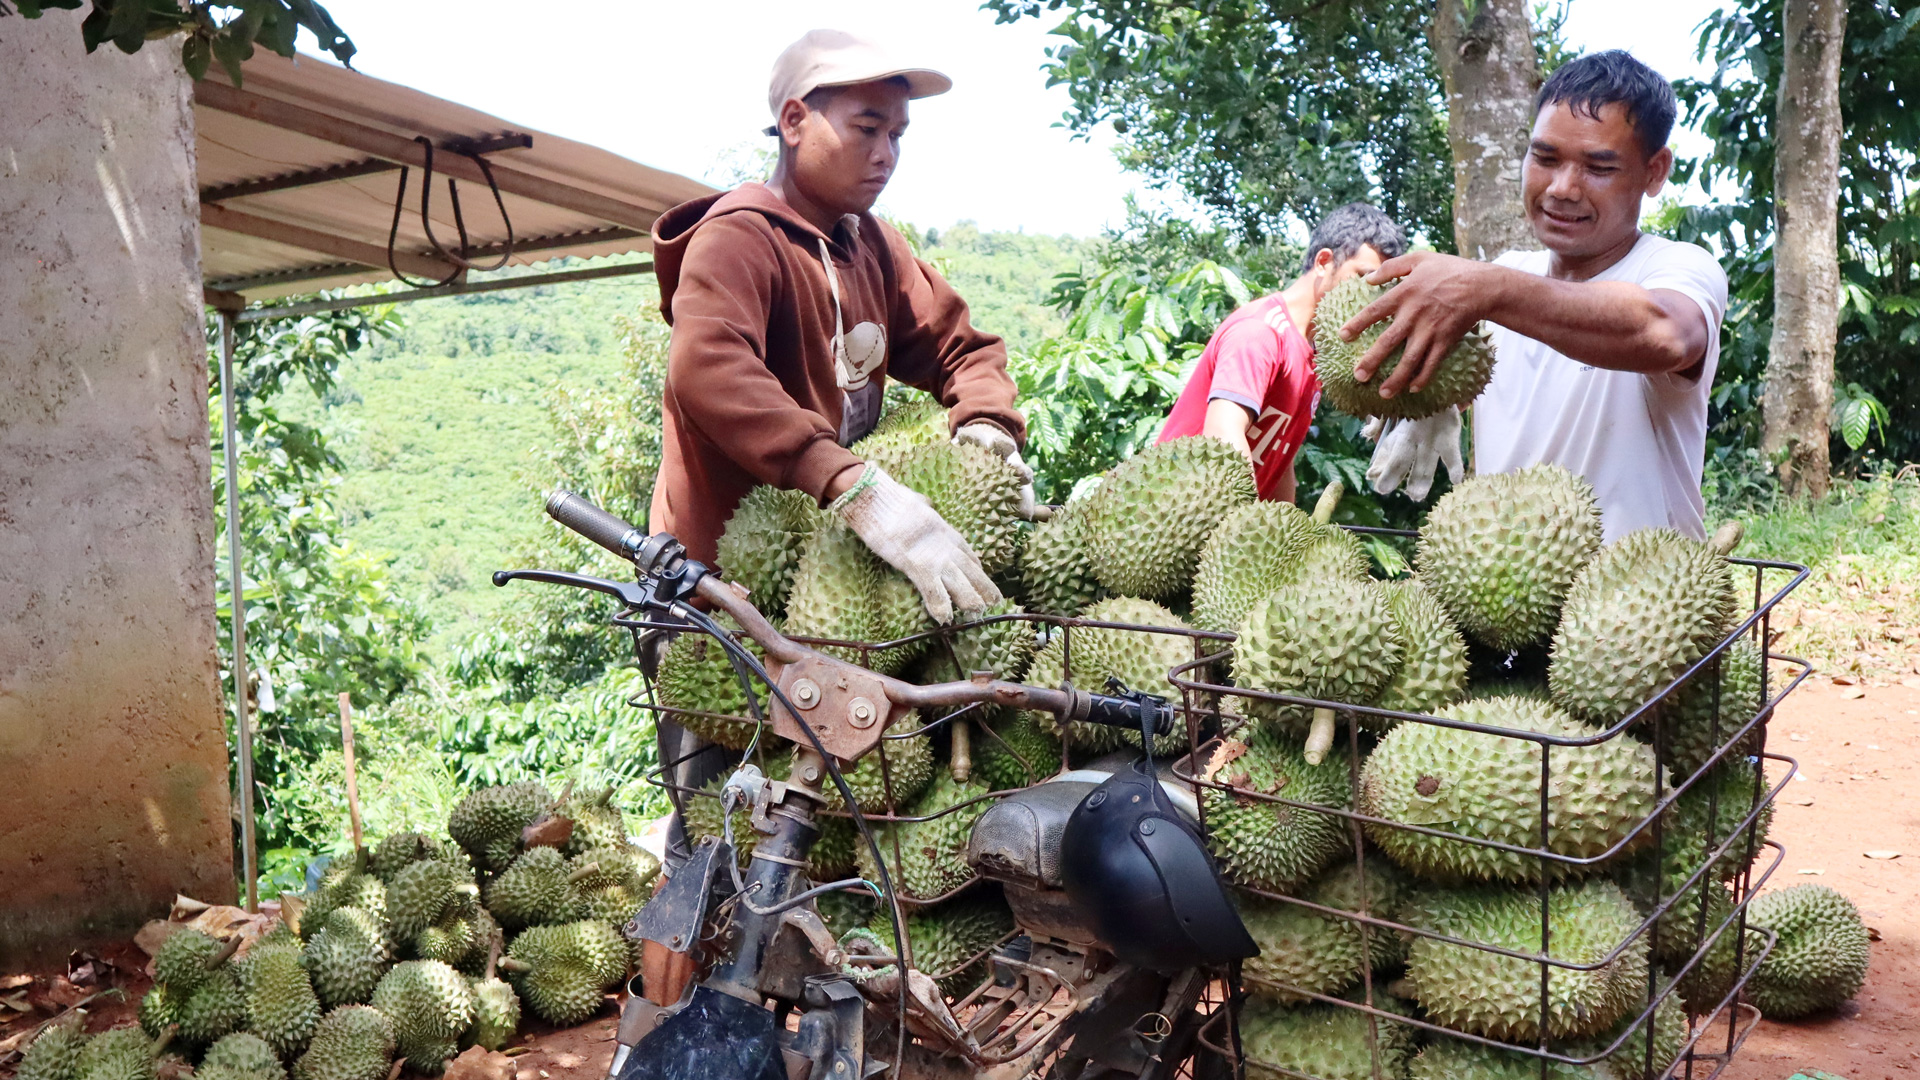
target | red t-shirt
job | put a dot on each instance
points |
(1259, 360)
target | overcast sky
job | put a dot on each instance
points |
(682, 86)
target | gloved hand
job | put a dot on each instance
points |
(902, 528)
(1410, 451)
(991, 437)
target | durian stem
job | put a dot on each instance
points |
(1727, 537)
(1320, 736)
(516, 967)
(1329, 502)
(160, 1044)
(394, 1073)
(583, 873)
(493, 958)
(226, 952)
(962, 751)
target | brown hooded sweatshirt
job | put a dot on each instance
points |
(754, 394)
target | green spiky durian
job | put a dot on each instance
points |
(1433, 673)
(533, 890)
(1324, 1041)
(1711, 964)
(1498, 996)
(353, 1042)
(1820, 959)
(1005, 648)
(842, 591)
(1667, 1031)
(1689, 726)
(974, 490)
(486, 935)
(1501, 551)
(562, 972)
(597, 823)
(1140, 660)
(186, 959)
(343, 885)
(347, 955)
(1010, 750)
(401, 848)
(696, 677)
(901, 429)
(1152, 514)
(1487, 787)
(832, 856)
(194, 990)
(760, 546)
(904, 775)
(1705, 816)
(281, 1005)
(54, 1054)
(611, 881)
(488, 821)
(430, 1005)
(1255, 550)
(945, 936)
(1271, 845)
(1649, 606)
(1303, 951)
(1327, 638)
(1457, 381)
(931, 859)
(124, 1053)
(424, 893)
(843, 910)
(496, 1015)
(241, 1056)
(1056, 570)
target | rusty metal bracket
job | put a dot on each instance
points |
(846, 706)
(674, 916)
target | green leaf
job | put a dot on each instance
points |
(195, 55)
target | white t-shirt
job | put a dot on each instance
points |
(1640, 440)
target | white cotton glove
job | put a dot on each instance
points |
(991, 437)
(902, 528)
(1410, 451)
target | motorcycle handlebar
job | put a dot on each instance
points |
(610, 531)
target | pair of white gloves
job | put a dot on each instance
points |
(1407, 452)
(903, 528)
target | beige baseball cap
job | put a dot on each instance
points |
(837, 58)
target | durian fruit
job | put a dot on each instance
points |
(931, 856)
(194, 991)
(1313, 953)
(611, 881)
(345, 884)
(908, 769)
(281, 1005)
(1324, 1041)
(1458, 380)
(1140, 660)
(1820, 959)
(1010, 750)
(1004, 648)
(124, 1053)
(54, 1054)
(1152, 513)
(399, 849)
(430, 1005)
(1271, 845)
(1487, 787)
(902, 428)
(843, 910)
(486, 935)
(842, 591)
(241, 1056)
(1498, 996)
(760, 546)
(346, 956)
(696, 677)
(1705, 816)
(426, 902)
(1261, 546)
(974, 490)
(1649, 606)
(533, 891)
(1056, 570)
(1667, 1031)
(353, 1042)
(488, 821)
(1326, 638)
(945, 936)
(1688, 728)
(496, 1012)
(832, 856)
(596, 821)
(1500, 551)
(1434, 672)
(187, 958)
(562, 972)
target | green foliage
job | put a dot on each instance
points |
(1267, 117)
(223, 30)
(1879, 221)
(1006, 278)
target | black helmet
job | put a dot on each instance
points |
(1138, 868)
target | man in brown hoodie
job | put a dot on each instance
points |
(791, 306)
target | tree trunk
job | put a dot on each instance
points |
(1491, 73)
(1806, 258)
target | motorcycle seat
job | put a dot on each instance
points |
(1018, 839)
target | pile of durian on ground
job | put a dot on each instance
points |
(416, 950)
(1511, 575)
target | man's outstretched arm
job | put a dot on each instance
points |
(1608, 324)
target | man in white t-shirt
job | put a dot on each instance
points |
(1606, 342)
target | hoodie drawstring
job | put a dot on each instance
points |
(842, 365)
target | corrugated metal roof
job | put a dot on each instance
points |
(299, 170)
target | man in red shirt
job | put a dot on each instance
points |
(1255, 385)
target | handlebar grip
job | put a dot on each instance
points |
(610, 531)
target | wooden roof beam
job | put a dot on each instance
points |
(219, 217)
(404, 151)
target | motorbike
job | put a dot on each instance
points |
(1125, 943)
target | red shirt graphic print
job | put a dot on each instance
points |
(1260, 361)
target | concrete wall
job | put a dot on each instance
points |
(113, 769)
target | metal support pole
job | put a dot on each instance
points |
(236, 582)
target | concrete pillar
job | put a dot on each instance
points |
(113, 764)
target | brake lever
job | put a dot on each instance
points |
(633, 593)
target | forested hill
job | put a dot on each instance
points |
(437, 427)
